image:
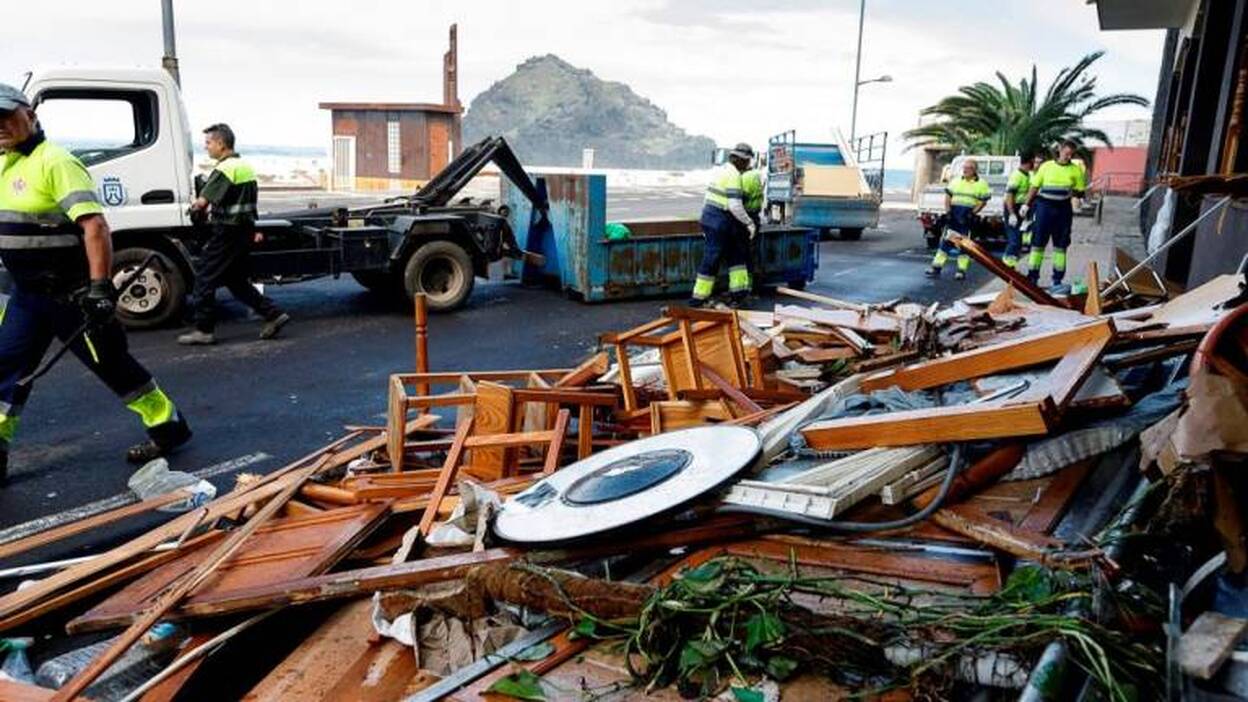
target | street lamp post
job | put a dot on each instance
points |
(858, 82)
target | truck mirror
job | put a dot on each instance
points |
(719, 157)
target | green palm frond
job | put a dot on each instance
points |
(1007, 117)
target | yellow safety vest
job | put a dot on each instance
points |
(968, 193)
(752, 190)
(1019, 184)
(725, 185)
(1054, 181)
(42, 193)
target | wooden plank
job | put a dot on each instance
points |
(1045, 512)
(167, 690)
(730, 391)
(1208, 642)
(822, 300)
(20, 692)
(396, 417)
(927, 426)
(321, 659)
(691, 353)
(626, 336)
(669, 415)
(626, 378)
(1074, 368)
(283, 548)
(449, 468)
(987, 360)
(64, 531)
(493, 413)
(994, 265)
(588, 371)
(1092, 306)
(512, 440)
(451, 377)
(381, 673)
(974, 523)
(186, 585)
(566, 397)
(872, 322)
(980, 578)
(556, 445)
(584, 432)
(811, 354)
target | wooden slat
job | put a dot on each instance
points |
(511, 440)
(730, 391)
(588, 371)
(927, 426)
(1074, 368)
(626, 378)
(987, 360)
(64, 531)
(584, 432)
(454, 376)
(556, 445)
(994, 265)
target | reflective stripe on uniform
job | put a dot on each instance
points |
(968, 193)
(738, 279)
(725, 186)
(77, 198)
(41, 241)
(153, 407)
(8, 427)
(48, 219)
(703, 287)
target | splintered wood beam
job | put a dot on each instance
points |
(449, 468)
(994, 265)
(988, 360)
(1070, 373)
(930, 426)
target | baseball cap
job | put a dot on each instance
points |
(11, 98)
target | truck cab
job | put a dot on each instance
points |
(996, 171)
(129, 127)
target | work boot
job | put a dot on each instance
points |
(959, 276)
(932, 272)
(196, 337)
(162, 440)
(273, 326)
(1034, 276)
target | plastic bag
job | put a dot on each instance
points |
(155, 479)
(16, 665)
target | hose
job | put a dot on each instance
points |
(956, 460)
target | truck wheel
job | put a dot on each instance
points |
(851, 234)
(378, 281)
(158, 294)
(443, 271)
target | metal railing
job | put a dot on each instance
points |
(869, 152)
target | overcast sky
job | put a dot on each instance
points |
(730, 69)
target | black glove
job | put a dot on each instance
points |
(100, 301)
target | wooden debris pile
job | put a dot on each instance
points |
(370, 513)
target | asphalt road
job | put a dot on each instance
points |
(255, 405)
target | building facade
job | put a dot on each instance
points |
(1197, 140)
(396, 146)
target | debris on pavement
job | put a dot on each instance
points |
(828, 496)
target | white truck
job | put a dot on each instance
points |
(129, 127)
(991, 225)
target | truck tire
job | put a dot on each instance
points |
(378, 281)
(156, 297)
(443, 271)
(853, 234)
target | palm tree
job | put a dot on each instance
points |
(1007, 119)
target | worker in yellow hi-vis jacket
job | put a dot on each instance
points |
(727, 228)
(57, 246)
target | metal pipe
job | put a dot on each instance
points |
(1169, 242)
(170, 60)
(853, 117)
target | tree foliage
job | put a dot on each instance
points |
(1009, 118)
